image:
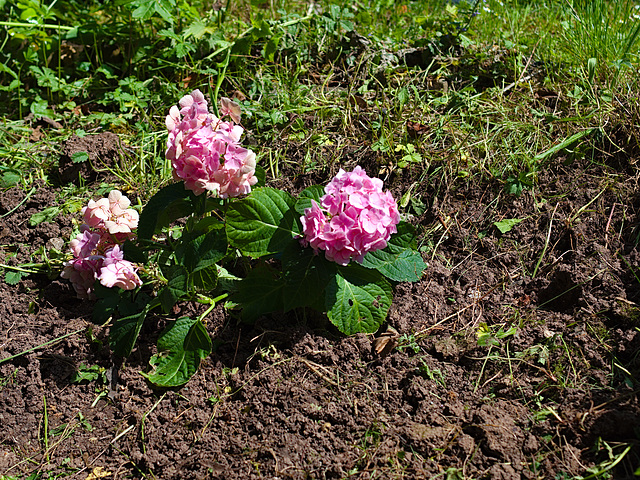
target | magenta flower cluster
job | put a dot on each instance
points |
(354, 217)
(96, 250)
(205, 151)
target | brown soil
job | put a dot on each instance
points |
(291, 398)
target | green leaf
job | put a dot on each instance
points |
(398, 261)
(79, 157)
(261, 28)
(568, 142)
(405, 237)
(13, 278)
(205, 279)
(133, 253)
(507, 224)
(148, 8)
(271, 47)
(9, 179)
(177, 286)
(88, 374)
(198, 29)
(407, 266)
(181, 348)
(261, 175)
(314, 192)
(259, 293)
(45, 215)
(125, 331)
(197, 250)
(169, 204)
(358, 300)
(306, 275)
(107, 304)
(262, 223)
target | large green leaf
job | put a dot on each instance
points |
(124, 332)
(262, 223)
(405, 237)
(169, 204)
(259, 293)
(177, 286)
(205, 279)
(398, 261)
(314, 192)
(181, 348)
(199, 252)
(358, 299)
(306, 275)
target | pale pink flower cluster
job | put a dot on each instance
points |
(205, 151)
(354, 217)
(96, 250)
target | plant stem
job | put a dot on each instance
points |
(55, 340)
(36, 25)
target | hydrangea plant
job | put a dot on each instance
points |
(335, 248)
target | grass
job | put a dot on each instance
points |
(498, 97)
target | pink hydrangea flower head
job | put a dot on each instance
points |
(237, 175)
(117, 272)
(109, 222)
(111, 214)
(82, 272)
(204, 151)
(354, 217)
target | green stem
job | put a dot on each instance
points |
(55, 340)
(36, 25)
(46, 426)
(212, 302)
(31, 192)
(23, 270)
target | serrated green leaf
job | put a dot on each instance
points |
(13, 278)
(398, 261)
(314, 192)
(259, 293)
(79, 157)
(181, 348)
(197, 250)
(507, 224)
(168, 204)
(271, 47)
(405, 237)
(45, 215)
(407, 266)
(177, 286)
(205, 279)
(9, 179)
(133, 253)
(357, 300)
(306, 275)
(198, 29)
(107, 304)
(124, 332)
(198, 253)
(262, 223)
